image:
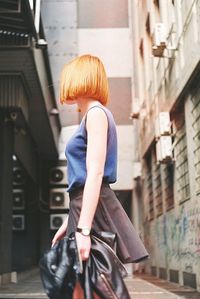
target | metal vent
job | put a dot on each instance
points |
(196, 138)
(182, 169)
(18, 199)
(189, 279)
(56, 220)
(11, 6)
(19, 177)
(174, 276)
(18, 222)
(59, 199)
(153, 270)
(163, 273)
(58, 176)
(11, 38)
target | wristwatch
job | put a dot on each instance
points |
(85, 231)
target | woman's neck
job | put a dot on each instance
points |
(85, 104)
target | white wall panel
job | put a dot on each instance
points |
(112, 46)
(124, 176)
(65, 135)
(125, 158)
(60, 26)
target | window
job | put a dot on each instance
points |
(149, 187)
(157, 186)
(182, 172)
(196, 138)
(168, 177)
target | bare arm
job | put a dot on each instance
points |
(96, 125)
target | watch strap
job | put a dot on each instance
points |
(84, 231)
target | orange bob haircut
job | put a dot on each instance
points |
(84, 76)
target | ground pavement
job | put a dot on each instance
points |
(139, 286)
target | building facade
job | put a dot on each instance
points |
(29, 135)
(166, 37)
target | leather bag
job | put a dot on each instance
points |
(59, 268)
(103, 272)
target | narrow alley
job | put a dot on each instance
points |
(151, 53)
(141, 286)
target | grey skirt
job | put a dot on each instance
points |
(110, 216)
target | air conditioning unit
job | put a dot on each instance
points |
(164, 149)
(59, 199)
(18, 222)
(162, 124)
(56, 220)
(159, 40)
(137, 170)
(58, 176)
(18, 199)
(19, 177)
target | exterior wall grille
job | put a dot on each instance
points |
(12, 93)
(149, 188)
(168, 178)
(157, 186)
(196, 138)
(182, 171)
(174, 276)
(12, 6)
(8, 38)
(153, 270)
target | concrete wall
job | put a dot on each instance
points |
(170, 200)
(125, 158)
(60, 26)
(160, 81)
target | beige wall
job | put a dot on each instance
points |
(166, 84)
(161, 80)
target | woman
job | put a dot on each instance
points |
(92, 163)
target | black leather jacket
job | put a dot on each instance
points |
(102, 273)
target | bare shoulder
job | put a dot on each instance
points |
(97, 115)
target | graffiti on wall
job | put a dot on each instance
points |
(177, 236)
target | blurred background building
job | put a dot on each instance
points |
(166, 108)
(29, 133)
(150, 50)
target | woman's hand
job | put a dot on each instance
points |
(84, 245)
(60, 233)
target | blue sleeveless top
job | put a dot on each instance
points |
(76, 153)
